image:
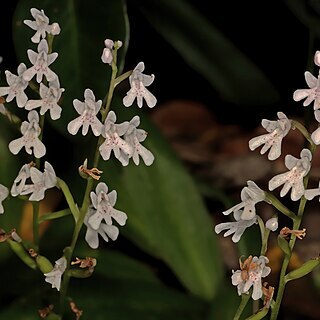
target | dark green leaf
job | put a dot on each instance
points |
(166, 216)
(209, 52)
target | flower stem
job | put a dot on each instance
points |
(35, 224)
(279, 205)
(286, 260)
(90, 183)
(244, 300)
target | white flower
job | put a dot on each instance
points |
(317, 58)
(272, 140)
(134, 136)
(106, 231)
(311, 193)
(252, 270)
(20, 181)
(112, 133)
(54, 276)
(4, 192)
(315, 136)
(139, 82)
(103, 203)
(41, 181)
(49, 100)
(272, 224)
(294, 178)
(30, 131)
(250, 196)
(16, 88)
(41, 25)
(312, 94)
(238, 227)
(107, 55)
(41, 62)
(88, 115)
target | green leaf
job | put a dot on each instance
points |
(166, 215)
(54, 215)
(84, 27)
(259, 315)
(209, 52)
(284, 245)
(303, 270)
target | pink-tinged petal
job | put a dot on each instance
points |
(43, 46)
(94, 199)
(112, 197)
(79, 106)
(147, 80)
(101, 187)
(16, 145)
(140, 101)
(4, 91)
(316, 136)
(29, 74)
(36, 38)
(119, 216)
(89, 95)
(39, 149)
(22, 99)
(50, 75)
(21, 69)
(96, 127)
(32, 56)
(105, 151)
(146, 155)
(290, 161)
(129, 98)
(278, 180)
(297, 190)
(301, 94)
(55, 113)
(109, 43)
(74, 125)
(257, 290)
(51, 58)
(309, 99)
(275, 151)
(285, 189)
(310, 79)
(150, 98)
(311, 193)
(111, 231)
(32, 104)
(95, 220)
(317, 58)
(92, 238)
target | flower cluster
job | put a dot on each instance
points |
(254, 268)
(123, 139)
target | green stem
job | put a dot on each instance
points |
(35, 225)
(244, 300)
(264, 237)
(36, 205)
(90, 183)
(274, 201)
(303, 130)
(286, 260)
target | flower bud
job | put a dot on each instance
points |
(81, 273)
(44, 264)
(272, 224)
(19, 250)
